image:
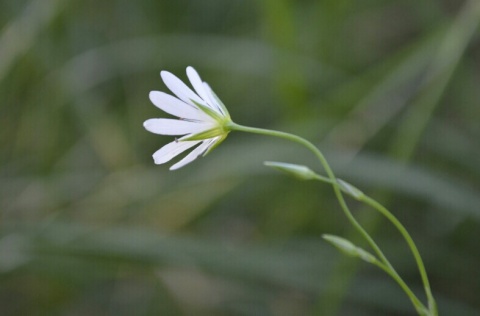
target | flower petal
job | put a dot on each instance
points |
(194, 154)
(171, 150)
(197, 84)
(176, 127)
(176, 107)
(180, 89)
(213, 100)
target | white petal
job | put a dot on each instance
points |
(197, 84)
(194, 154)
(176, 127)
(179, 88)
(211, 98)
(176, 107)
(171, 150)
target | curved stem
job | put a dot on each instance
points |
(420, 308)
(416, 254)
(385, 263)
(403, 231)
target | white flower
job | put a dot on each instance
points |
(203, 119)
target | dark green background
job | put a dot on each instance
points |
(388, 90)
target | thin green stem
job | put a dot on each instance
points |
(416, 254)
(385, 263)
(403, 231)
(420, 308)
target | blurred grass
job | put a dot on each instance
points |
(89, 226)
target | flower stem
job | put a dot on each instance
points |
(416, 254)
(384, 264)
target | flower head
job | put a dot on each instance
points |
(202, 119)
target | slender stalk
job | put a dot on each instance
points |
(403, 231)
(416, 254)
(421, 309)
(385, 264)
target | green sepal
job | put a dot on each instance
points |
(218, 142)
(224, 108)
(214, 132)
(210, 112)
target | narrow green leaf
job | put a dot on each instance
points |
(298, 171)
(350, 189)
(349, 248)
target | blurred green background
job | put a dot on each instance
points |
(388, 90)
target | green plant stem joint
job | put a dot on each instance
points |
(340, 186)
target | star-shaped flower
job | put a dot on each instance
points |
(203, 119)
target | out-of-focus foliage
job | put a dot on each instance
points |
(389, 90)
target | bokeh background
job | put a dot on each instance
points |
(389, 90)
